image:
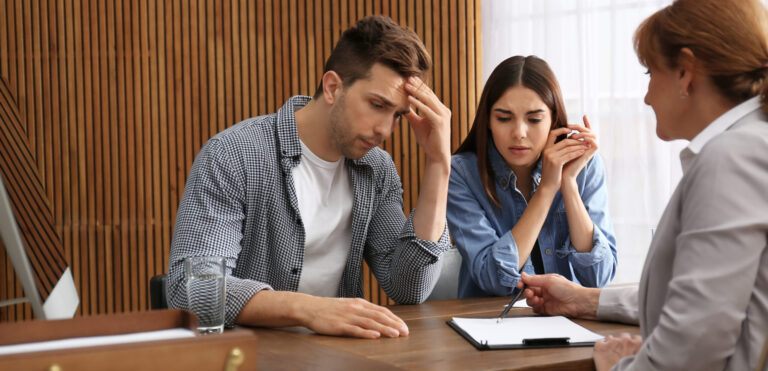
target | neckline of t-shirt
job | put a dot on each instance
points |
(316, 160)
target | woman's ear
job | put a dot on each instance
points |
(332, 87)
(686, 67)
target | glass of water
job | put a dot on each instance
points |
(205, 277)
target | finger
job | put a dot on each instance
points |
(424, 95)
(565, 155)
(583, 135)
(572, 156)
(377, 310)
(570, 141)
(600, 346)
(537, 280)
(369, 323)
(412, 117)
(579, 128)
(416, 87)
(397, 322)
(536, 291)
(385, 317)
(626, 336)
(424, 110)
(592, 142)
(586, 122)
(553, 134)
(358, 332)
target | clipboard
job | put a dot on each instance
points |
(571, 334)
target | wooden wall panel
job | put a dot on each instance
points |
(116, 98)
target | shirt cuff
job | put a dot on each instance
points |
(601, 250)
(435, 249)
(505, 251)
(618, 304)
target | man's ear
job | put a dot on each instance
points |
(686, 63)
(332, 87)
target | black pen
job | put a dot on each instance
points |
(511, 303)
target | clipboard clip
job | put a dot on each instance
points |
(547, 341)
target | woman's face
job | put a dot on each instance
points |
(520, 124)
(666, 99)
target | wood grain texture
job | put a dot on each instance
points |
(114, 99)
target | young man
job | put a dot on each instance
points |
(297, 199)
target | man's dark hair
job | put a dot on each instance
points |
(377, 39)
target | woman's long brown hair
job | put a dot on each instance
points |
(531, 72)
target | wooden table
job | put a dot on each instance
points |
(431, 345)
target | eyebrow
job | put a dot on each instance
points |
(390, 104)
(508, 112)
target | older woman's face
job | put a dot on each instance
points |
(667, 101)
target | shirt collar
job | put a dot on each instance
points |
(505, 176)
(717, 127)
(288, 134)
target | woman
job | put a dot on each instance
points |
(702, 303)
(519, 199)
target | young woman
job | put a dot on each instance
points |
(702, 303)
(520, 200)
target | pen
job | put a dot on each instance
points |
(511, 303)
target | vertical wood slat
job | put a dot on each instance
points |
(116, 98)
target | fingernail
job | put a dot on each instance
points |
(393, 333)
(404, 330)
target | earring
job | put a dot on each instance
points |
(683, 96)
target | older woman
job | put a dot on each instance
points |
(702, 303)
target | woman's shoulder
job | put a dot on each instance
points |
(747, 139)
(464, 165)
(464, 161)
(464, 158)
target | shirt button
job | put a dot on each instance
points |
(547, 251)
(504, 182)
(295, 270)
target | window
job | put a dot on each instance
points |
(588, 44)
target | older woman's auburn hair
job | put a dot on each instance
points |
(728, 37)
(530, 72)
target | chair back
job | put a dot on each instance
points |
(447, 286)
(762, 364)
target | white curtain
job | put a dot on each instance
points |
(588, 44)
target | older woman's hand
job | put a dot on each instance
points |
(609, 351)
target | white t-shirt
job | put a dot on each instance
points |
(325, 195)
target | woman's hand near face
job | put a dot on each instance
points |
(556, 155)
(588, 138)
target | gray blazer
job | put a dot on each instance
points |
(702, 303)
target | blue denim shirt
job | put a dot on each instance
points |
(482, 232)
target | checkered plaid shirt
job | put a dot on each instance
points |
(240, 203)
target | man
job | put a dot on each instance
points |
(297, 199)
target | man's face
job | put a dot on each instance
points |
(366, 112)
